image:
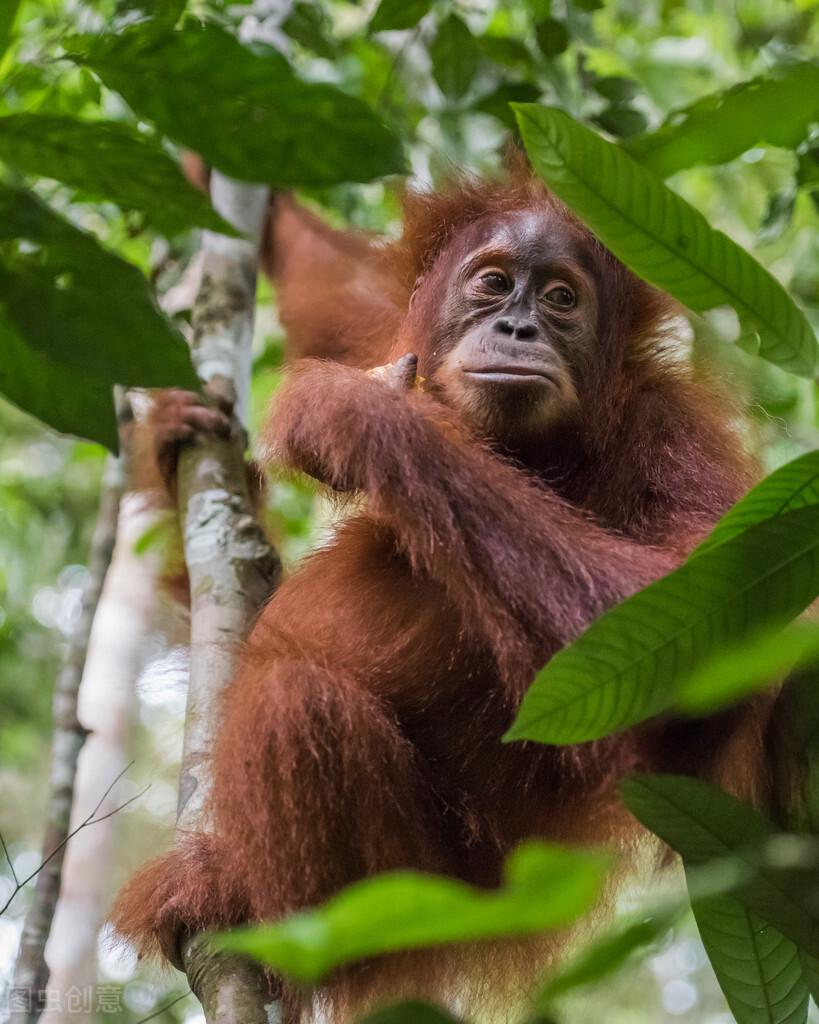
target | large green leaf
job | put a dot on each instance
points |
(758, 969)
(545, 887)
(71, 402)
(626, 667)
(776, 108)
(260, 121)
(792, 486)
(755, 661)
(702, 823)
(81, 306)
(660, 236)
(108, 160)
(454, 53)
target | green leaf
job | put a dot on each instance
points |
(510, 53)
(702, 823)
(260, 122)
(108, 160)
(660, 236)
(552, 37)
(616, 88)
(793, 486)
(70, 402)
(545, 887)
(575, 674)
(626, 667)
(752, 665)
(620, 120)
(8, 16)
(776, 109)
(409, 1012)
(81, 306)
(758, 969)
(607, 954)
(399, 14)
(454, 53)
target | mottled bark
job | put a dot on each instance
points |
(31, 971)
(231, 989)
(231, 566)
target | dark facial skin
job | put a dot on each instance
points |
(523, 307)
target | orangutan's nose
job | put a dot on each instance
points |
(516, 327)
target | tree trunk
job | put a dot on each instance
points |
(231, 566)
(31, 972)
(106, 709)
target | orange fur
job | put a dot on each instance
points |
(362, 730)
(336, 294)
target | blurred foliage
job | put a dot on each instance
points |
(98, 143)
(48, 498)
(544, 886)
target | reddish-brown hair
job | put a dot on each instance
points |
(362, 730)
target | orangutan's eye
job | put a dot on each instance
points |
(495, 281)
(561, 296)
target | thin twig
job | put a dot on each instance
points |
(167, 1006)
(91, 819)
(7, 855)
(101, 800)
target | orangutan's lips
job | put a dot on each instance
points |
(512, 374)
